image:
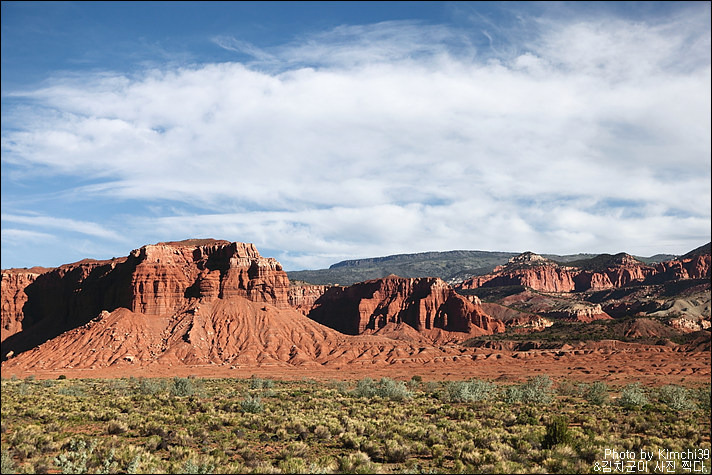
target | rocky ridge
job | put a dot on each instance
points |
(155, 280)
(202, 302)
(13, 298)
(600, 273)
(422, 303)
(219, 304)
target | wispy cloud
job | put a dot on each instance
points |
(239, 46)
(22, 236)
(64, 224)
(396, 137)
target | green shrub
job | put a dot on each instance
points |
(151, 386)
(71, 390)
(373, 448)
(469, 391)
(385, 388)
(252, 404)
(75, 460)
(528, 416)
(23, 389)
(557, 433)
(704, 398)
(538, 390)
(197, 467)
(366, 387)
(258, 383)
(108, 464)
(294, 465)
(7, 465)
(134, 464)
(633, 396)
(597, 393)
(396, 452)
(431, 387)
(322, 432)
(182, 387)
(358, 462)
(513, 394)
(340, 386)
(350, 440)
(393, 390)
(62, 376)
(677, 398)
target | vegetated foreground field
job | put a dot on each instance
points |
(255, 425)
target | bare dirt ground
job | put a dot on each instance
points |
(612, 362)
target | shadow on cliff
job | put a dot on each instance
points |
(69, 297)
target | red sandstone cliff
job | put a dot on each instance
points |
(302, 297)
(209, 303)
(13, 298)
(151, 307)
(422, 303)
(527, 269)
(154, 280)
(168, 274)
(60, 299)
(696, 267)
(600, 273)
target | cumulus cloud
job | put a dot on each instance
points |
(395, 137)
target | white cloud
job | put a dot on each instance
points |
(238, 46)
(64, 224)
(397, 137)
(23, 236)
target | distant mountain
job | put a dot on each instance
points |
(451, 266)
(658, 258)
(700, 251)
(445, 265)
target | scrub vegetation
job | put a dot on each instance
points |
(191, 425)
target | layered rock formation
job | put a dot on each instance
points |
(693, 267)
(577, 312)
(208, 302)
(14, 298)
(600, 273)
(63, 298)
(154, 280)
(302, 297)
(167, 274)
(422, 303)
(219, 303)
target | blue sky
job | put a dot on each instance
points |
(323, 131)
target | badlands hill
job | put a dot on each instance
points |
(219, 308)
